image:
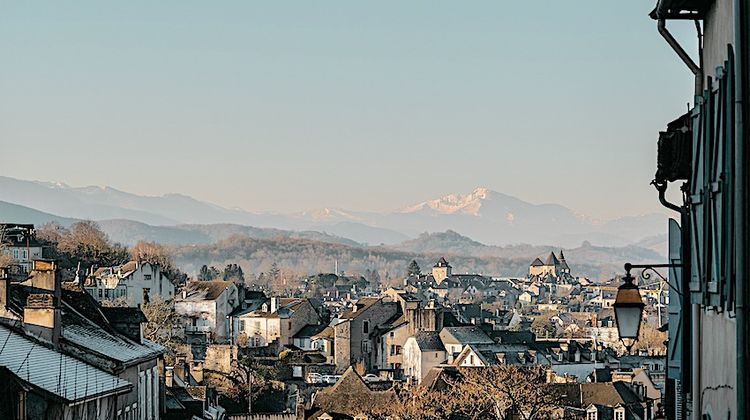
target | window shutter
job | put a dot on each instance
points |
(676, 322)
(711, 192)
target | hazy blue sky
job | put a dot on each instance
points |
(362, 105)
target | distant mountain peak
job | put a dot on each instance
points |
(470, 203)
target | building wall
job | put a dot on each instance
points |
(303, 315)
(144, 398)
(342, 345)
(718, 331)
(24, 256)
(395, 337)
(440, 273)
(260, 330)
(146, 277)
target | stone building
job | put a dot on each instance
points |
(69, 321)
(441, 270)
(204, 308)
(135, 282)
(20, 244)
(356, 334)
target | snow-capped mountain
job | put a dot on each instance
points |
(488, 216)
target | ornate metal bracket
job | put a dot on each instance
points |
(648, 269)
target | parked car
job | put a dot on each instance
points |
(314, 378)
(330, 379)
(371, 378)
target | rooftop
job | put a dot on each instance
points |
(62, 376)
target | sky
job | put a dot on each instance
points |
(284, 106)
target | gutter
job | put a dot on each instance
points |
(694, 68)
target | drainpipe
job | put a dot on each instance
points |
(694, 68)
(742, 84)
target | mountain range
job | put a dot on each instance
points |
(484, 215)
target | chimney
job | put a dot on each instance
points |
(41, 315)
(274, 304)
(44, 275)
(169, 376)
(4, 288)
(42, 310)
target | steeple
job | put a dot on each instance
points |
(563, 264)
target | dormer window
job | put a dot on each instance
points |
(620, 413)
(592, 414)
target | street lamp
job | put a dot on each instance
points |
(628, 310)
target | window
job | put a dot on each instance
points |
(366, 327)
(393, 349)
(620, 413)
(147, 277)
(242, 325)
(592, 415)
(471, 359)
(145, 296)
(101, 292)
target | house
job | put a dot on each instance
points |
(136, 282)
(486, 355)
(355, 333)
(456, 338)
(414, 315)
(277, 319)
(70, 322)
(29, 391)
(348, 398)
(204, 307)
(422, 352)
(604, 401)
(20, 244)
(324, 343)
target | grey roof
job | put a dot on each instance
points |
(63, 376)
(465, 335)
(552, 259)
(309, 330)
(429, 341)
(537, 262)
(442, 263)
(91, 337)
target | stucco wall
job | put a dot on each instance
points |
(718, 365)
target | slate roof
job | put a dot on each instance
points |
(552, 259)
(537, 263)
(309, 331)
(563, 263)
(429, 341)
(465, 335)
(205, 290)
(351, 396)
(327, 332)
(362, 305)
(86, 335)
(512, 337)
(442, 263)
(124, 314)
(63, 376)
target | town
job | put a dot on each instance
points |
(382, 210)
(139, 339)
